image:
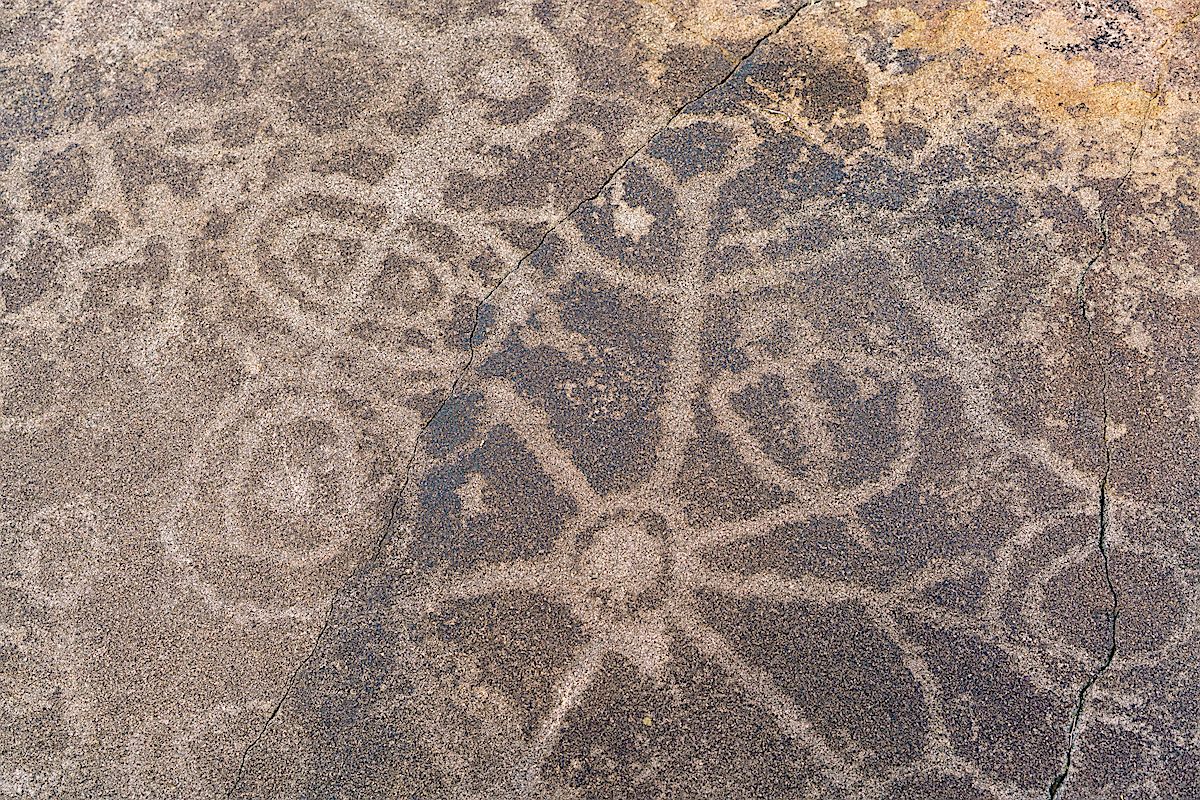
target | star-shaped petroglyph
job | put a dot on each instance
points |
(630, 565)
(635, 565)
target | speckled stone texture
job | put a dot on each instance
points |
(728, 399)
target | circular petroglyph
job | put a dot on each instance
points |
(273, 492)
(56, 553)
(331, 259)
(620, 565)
(512, 80)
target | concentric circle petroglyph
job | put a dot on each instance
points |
(274, 487)
(511, 81)
(57, 554)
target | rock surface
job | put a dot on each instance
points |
(599, 399)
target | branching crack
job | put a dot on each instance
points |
(1103, 502)
(466, 368)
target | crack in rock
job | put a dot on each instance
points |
(1073, 733)
(1114, 613)
(1060, 778)
(1081, 289)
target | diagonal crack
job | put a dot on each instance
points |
(472, 345)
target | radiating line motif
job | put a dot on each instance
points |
(693, 463)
